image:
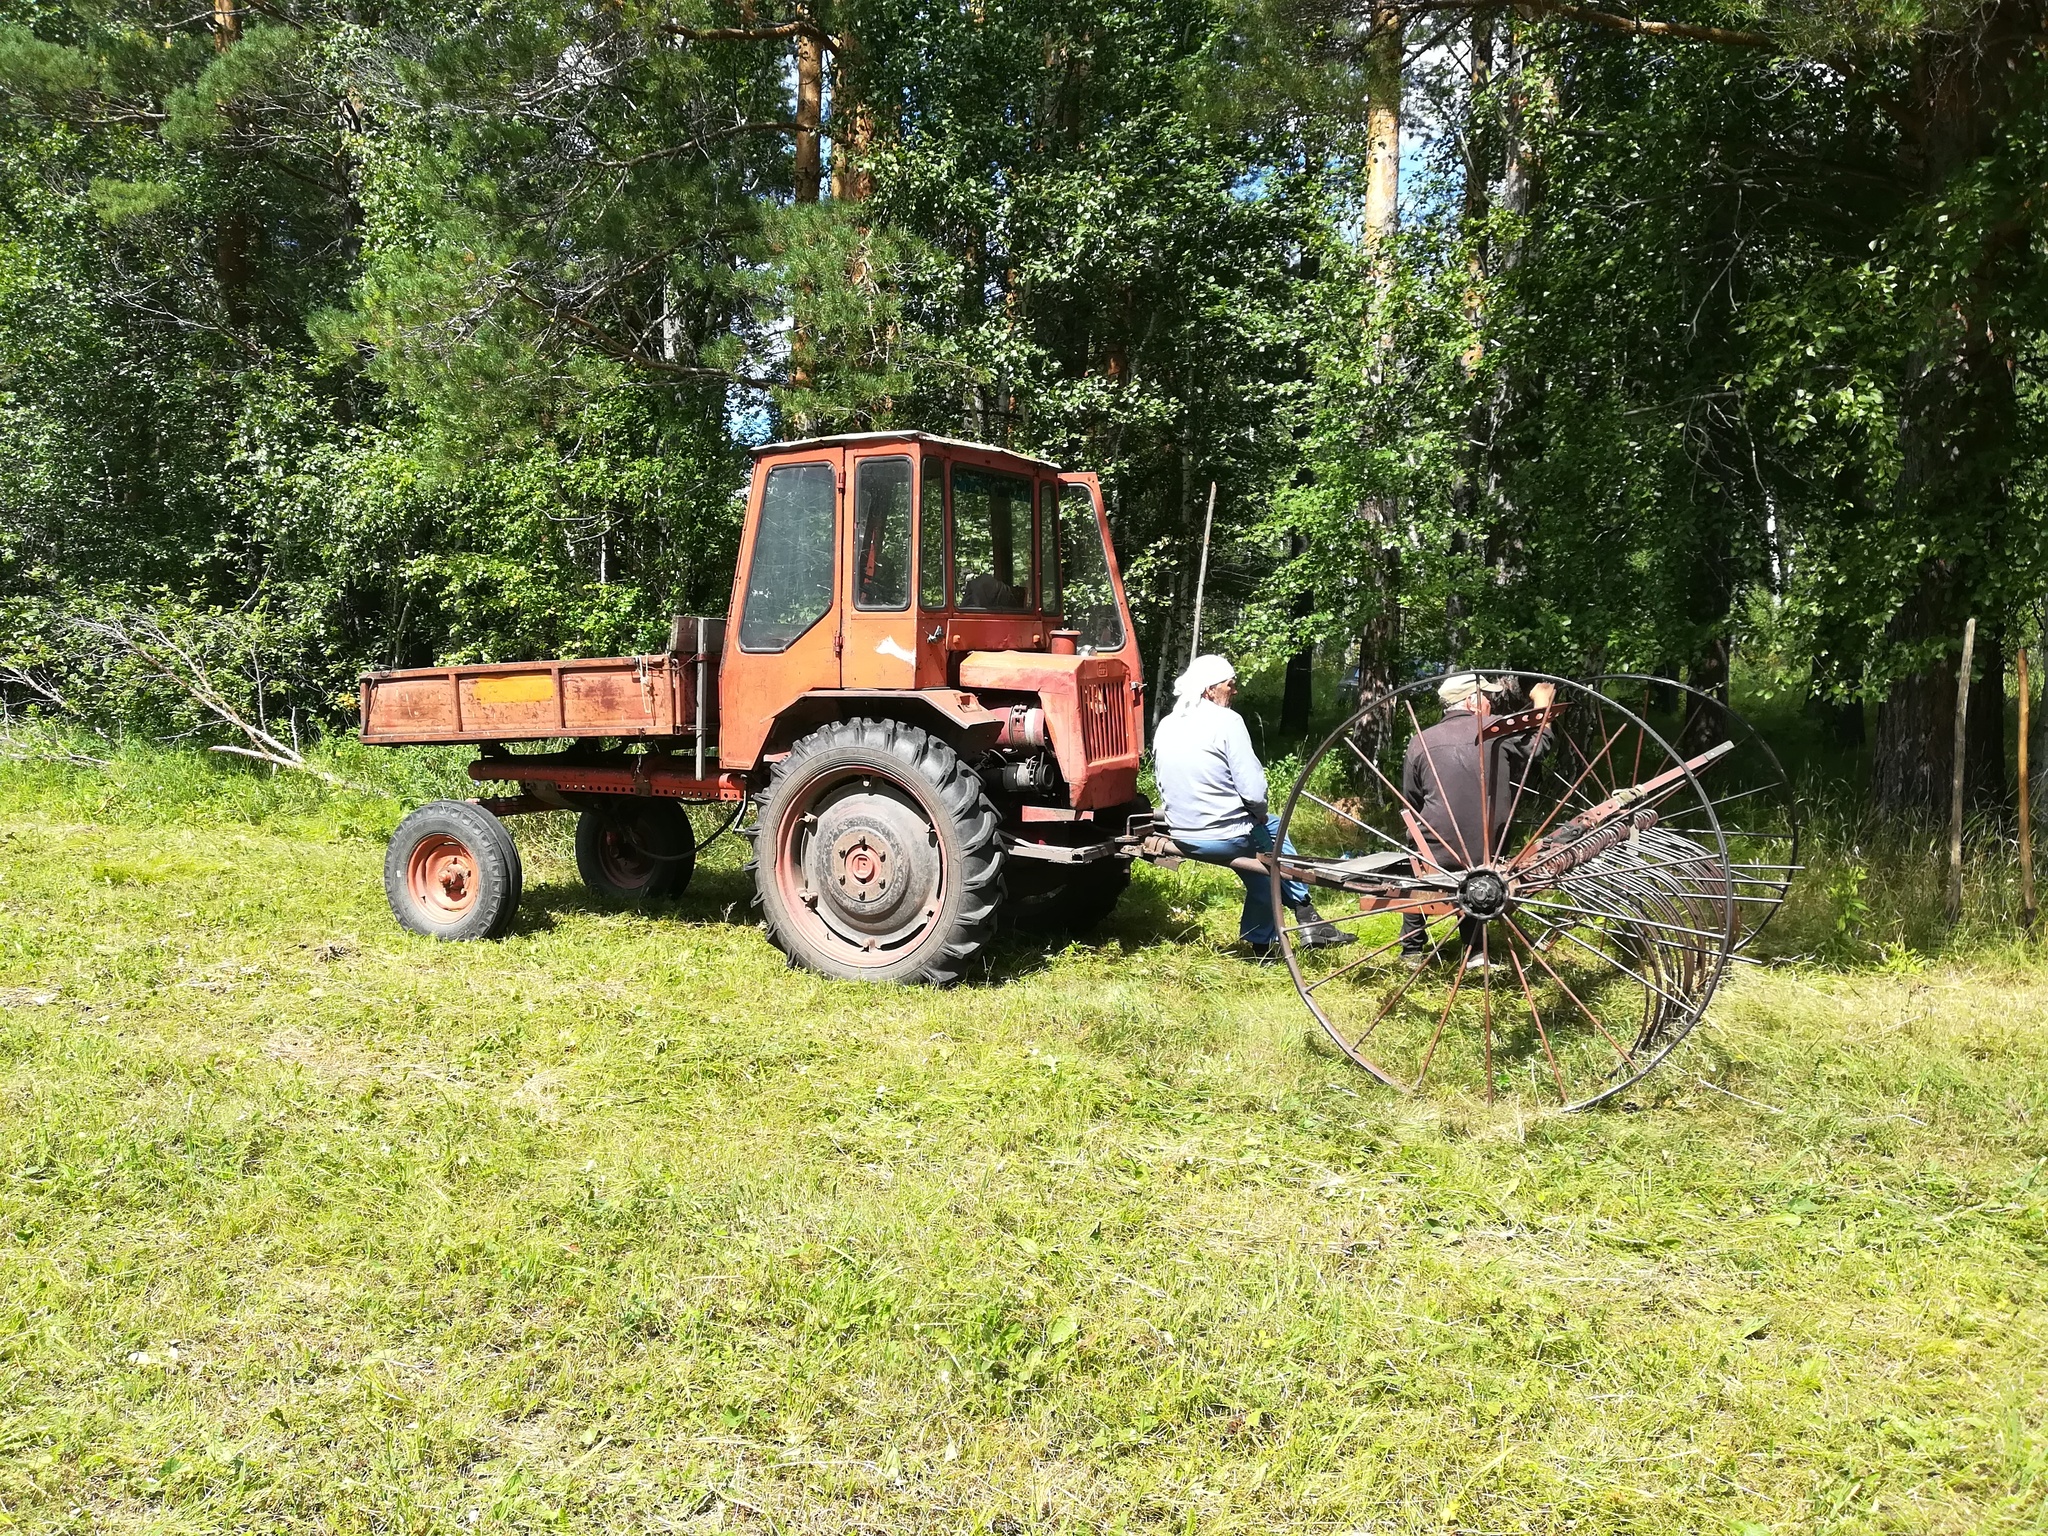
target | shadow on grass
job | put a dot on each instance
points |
(1142, 920)
(714, 896)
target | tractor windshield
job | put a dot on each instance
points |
(1089, 594)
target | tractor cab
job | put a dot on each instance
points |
(955, 578)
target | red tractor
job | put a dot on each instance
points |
(928, 685)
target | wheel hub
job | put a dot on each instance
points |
(442, 875)
(1483, 893)
(872, 866)
(863, 866)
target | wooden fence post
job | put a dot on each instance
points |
(1202, 575)
(1955, 793)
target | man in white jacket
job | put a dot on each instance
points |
(1215, 793)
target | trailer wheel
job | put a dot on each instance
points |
(451, 872)
(637, 850)
(877, 856)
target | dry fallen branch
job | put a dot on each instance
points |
(35, 740)
(143, 639)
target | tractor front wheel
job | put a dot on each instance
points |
(452, 872)
(877, 856)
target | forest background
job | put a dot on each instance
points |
(339, 334)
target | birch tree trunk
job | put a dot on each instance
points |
(1379, 640)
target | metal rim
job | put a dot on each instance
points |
(861, 866)
(626, 863)
(1764, 859)
(441, 876)
(1547, 919)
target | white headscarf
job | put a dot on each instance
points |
(1203, 673)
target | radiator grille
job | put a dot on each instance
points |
(1104, 729)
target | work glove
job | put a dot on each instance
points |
(1262, 836)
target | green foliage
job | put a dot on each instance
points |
(441, 333)
(1851, 908)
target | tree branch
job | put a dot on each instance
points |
(776, 32)
(673, 150)
(622, 352)
(1564, 10)
(149, 643)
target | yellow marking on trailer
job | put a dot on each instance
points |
(518, 688)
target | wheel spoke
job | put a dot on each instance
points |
(1644, 981)
(1562, 800)
(1536, 1013)
(1457, 830)
(1457, 981)
(1349, 966)
(1526, 904)
(1399, 799)
(1376, 832)
(1401, 991)
(1486, 1006)
(1565, 987)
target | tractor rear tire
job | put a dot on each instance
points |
(1078, 899)
(452, 872)
(877, 856)
(636, 850)
(1092, 894)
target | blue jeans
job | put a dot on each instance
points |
(1258, 923)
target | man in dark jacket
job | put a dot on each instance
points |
(1462, 789)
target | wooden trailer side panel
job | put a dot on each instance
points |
(614, 696)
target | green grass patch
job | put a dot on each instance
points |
(618, 1225)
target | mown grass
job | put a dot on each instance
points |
(307, 1224)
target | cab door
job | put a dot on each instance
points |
(784, 636)
(879, 644)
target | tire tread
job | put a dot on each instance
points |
(956, 786)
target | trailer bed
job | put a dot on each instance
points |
(671, 694)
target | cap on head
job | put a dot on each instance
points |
(1203, 673)
(1460, 686)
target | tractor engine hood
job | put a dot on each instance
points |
(1090, 712)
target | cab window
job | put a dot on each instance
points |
(1048, 549)
(1089, 594)
(991, 540)
(789, 583)
(881, 534)
(931, 535)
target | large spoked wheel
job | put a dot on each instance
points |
(877, 855)
(1544, 895)
(636, 850)
(1753, 795)
(451, 872)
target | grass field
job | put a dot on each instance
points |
(308, 1224)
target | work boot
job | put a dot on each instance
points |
(1318, 932)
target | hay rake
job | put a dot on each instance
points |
(1556, 944)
